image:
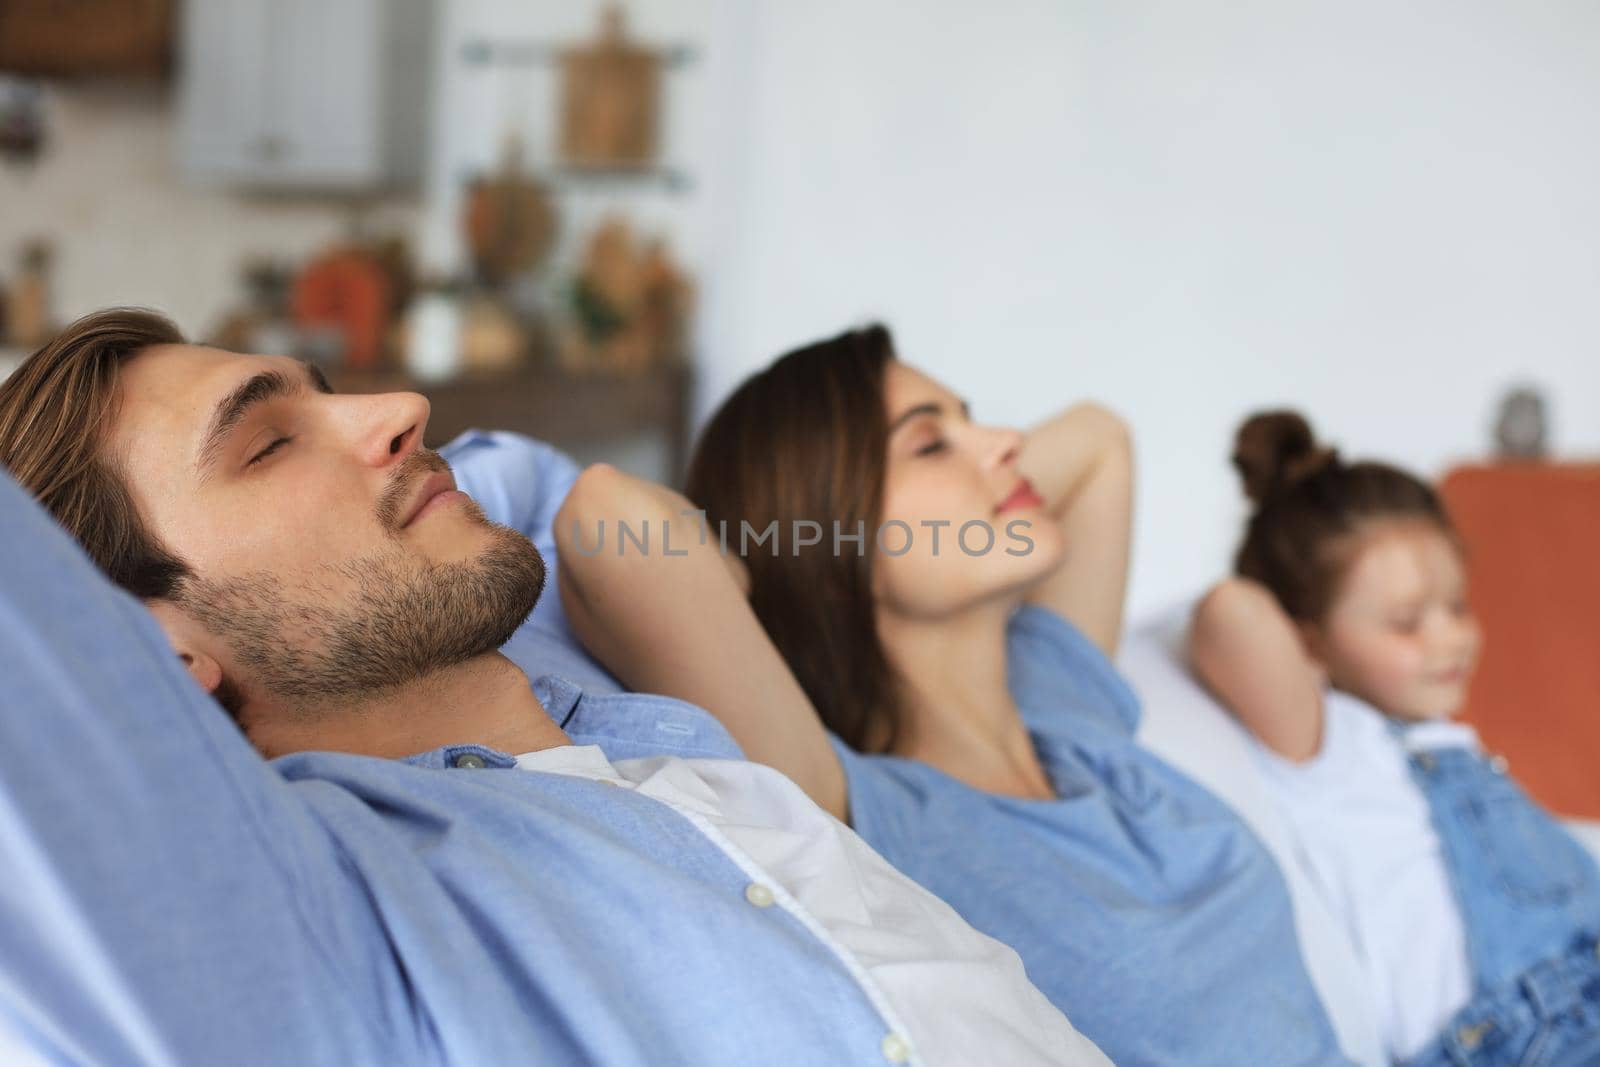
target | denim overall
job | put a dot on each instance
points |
(1530, 903)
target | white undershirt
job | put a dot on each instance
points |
(1365, 833)
(952, 996)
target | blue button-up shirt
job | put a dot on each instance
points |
(167, 897)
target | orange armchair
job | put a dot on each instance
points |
(1532, 532)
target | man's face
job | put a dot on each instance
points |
(328, 564)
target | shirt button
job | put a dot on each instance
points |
(896, 1049)
(470, 761)
(1471, 1036)
(1499, 764)
(759, 895)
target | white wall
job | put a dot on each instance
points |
(1380, 213)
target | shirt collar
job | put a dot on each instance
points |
(444, 758)
(559, 697)
(625, 725)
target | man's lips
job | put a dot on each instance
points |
(440, 484)
(1023, 496)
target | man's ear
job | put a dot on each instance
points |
(189, 642)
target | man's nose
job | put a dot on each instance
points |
(392, 427)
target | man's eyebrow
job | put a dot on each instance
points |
(929, 408)
(257, 389)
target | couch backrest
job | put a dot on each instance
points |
(1190, 730)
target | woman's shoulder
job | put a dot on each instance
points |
(889, 800)
(1054, 667)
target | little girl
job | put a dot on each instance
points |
(1344, 645)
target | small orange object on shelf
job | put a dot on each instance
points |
(346, 289)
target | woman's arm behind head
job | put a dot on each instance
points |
(664, 609)
(1081, 463)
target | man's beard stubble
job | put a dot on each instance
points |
(351, 630)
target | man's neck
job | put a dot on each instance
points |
(484, 701)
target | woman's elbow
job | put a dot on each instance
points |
(597, 497)
(1109, 426)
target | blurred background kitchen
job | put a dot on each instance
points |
(588, 221)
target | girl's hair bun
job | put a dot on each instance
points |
(1273, 450)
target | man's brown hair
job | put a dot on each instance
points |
(56, 411)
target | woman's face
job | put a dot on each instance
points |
(960, 524)
(1400, 634)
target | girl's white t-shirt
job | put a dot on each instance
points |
(1365, 835)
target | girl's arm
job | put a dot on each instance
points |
(679, 623)
(1081, 463)
(1246, 651)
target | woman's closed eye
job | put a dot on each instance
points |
(276, 444)
(933, 447)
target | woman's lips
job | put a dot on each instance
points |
(1023, 496)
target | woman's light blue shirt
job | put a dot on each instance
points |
(1140, 904)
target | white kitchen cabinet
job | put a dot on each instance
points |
(306, 94)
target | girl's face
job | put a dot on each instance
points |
(1400, 634)
(972, 530)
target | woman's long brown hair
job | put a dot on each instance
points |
(806, 439)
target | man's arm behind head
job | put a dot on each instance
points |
(150, 856)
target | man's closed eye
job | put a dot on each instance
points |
(269, 450)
